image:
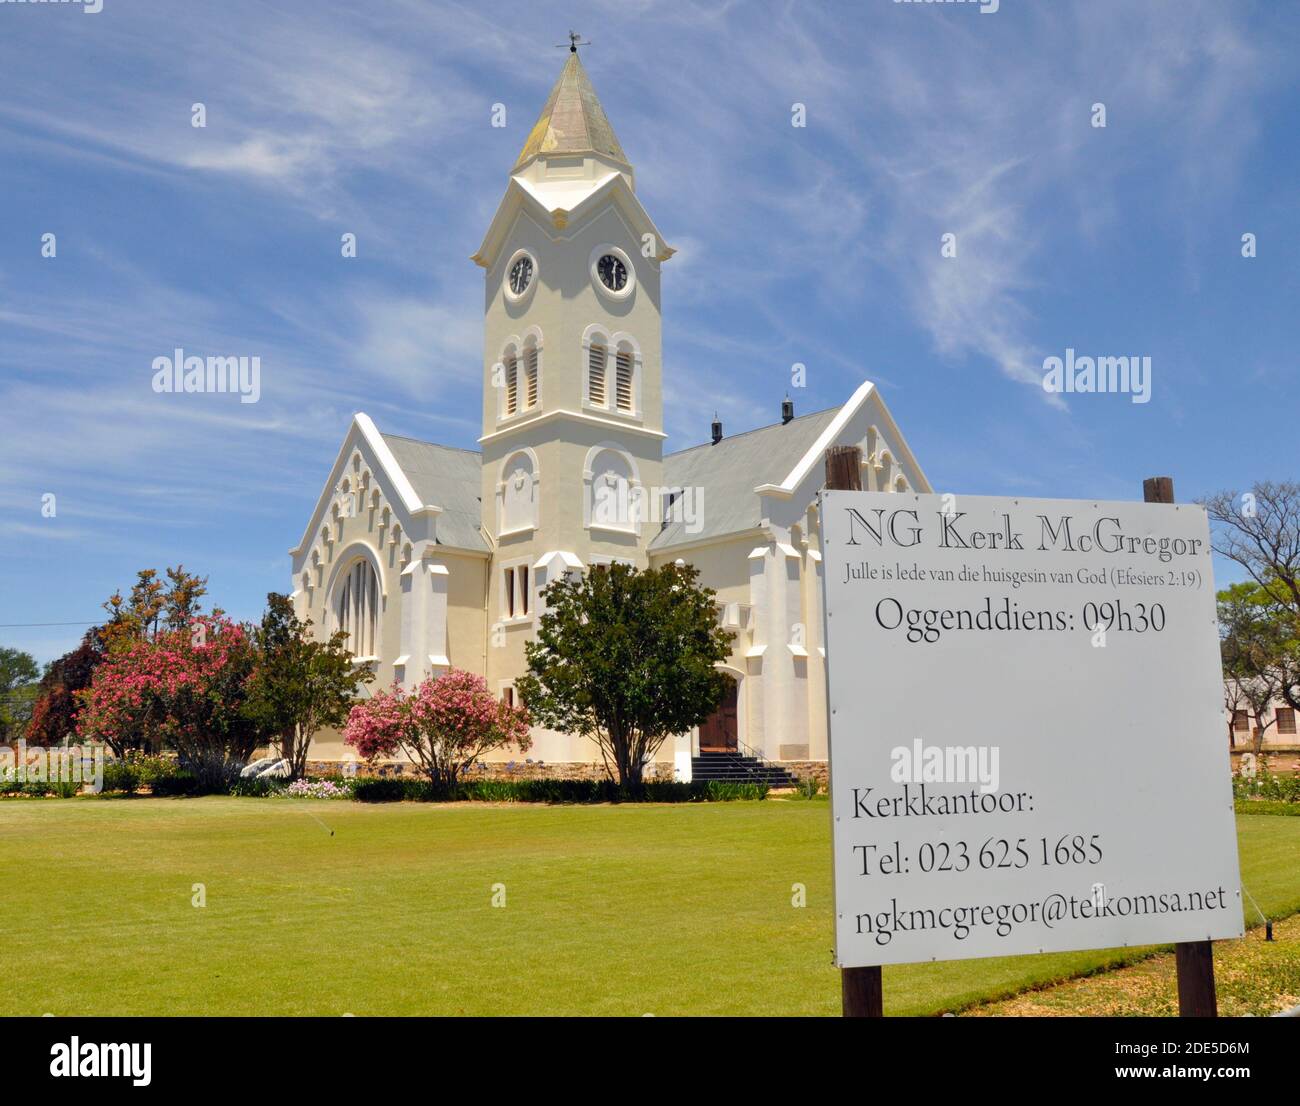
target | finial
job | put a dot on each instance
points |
(574, 43)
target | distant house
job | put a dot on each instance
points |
(1279, 718)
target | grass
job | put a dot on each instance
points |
(1267, 806)
(681, 909)
(1252, 976)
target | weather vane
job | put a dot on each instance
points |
(573, 43)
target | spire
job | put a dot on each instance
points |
(572, 122)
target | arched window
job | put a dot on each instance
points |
(518, 493)
(511, 364)
(597, 355)
(356, 609)
(521, 373)
(613, 363)
(532, 385)
(624, 396)
(613, 492)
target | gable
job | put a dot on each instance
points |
(561, 207)
(367, 463)
(777, 470)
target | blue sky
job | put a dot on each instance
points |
(818, 245)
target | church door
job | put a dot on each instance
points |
(718, 732)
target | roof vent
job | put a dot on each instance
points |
(717, 431)
(787, 410)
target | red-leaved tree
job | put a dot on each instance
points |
(54, 716)
(444, 725)
(186, 690)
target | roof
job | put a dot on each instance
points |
(727, 474)
(449, 477)
(572, 122)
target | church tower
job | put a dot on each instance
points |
(572, 375)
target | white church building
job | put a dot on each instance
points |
(432, 556)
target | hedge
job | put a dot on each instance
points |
(396, 789)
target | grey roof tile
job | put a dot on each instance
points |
(729, 472)
(448, 478)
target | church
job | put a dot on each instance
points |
(431, 556)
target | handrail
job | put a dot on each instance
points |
(762, 768)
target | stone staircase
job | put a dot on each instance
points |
(734, 768)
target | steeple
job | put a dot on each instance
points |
(572, 123)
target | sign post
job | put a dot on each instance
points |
(861, 992)
(1193, 960)
(1024, 717)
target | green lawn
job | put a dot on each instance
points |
(610, 910)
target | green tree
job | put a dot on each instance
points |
(153, 607)
(1258, 649)
(1260, 531)
(300, 685)
(626, 658)
(19, 674)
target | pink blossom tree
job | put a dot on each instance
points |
(444, 725)
(185, 689)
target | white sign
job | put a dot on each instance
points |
(1026, 729)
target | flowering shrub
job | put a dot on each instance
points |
(318, 789)
(184, 689)
(1266, 785)
(444, 725)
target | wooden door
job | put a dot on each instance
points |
(718, 732)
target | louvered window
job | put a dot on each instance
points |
(512, 383)
(530, 372)
(623, 380)
(596, 375)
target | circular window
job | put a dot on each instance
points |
(520, 274)
(612, 272)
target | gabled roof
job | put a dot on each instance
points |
(449, 477)
(729, 472)
(572, 122)
(425, 483)
(742, 477)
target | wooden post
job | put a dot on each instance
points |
(1194, 960)
(861, 993)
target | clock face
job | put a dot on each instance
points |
(613, 273)
(521, 275)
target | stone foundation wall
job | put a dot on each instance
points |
(818, 769)
(1285, 759)
(518, 770)
(1277, 758)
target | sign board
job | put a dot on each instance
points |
(1026, 727)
